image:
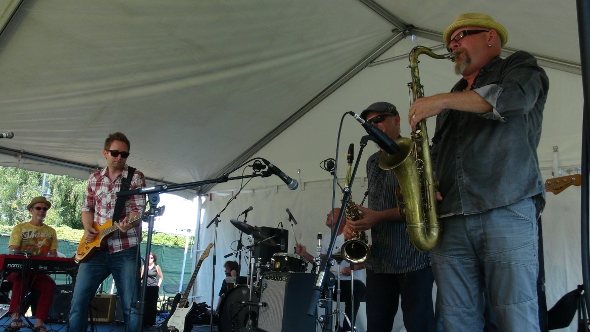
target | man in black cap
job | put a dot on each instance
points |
(395, 267)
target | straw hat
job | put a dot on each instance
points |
(39, 199)
(475, 20)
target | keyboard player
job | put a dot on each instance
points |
(38, 239)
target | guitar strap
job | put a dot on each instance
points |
(120, 203)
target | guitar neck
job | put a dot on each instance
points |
(113, 228)
(187, 291)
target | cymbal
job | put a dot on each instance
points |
(261, 236)
(242, 226)
(258, 234)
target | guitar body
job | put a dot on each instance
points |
(179, 318)
(164, 325)
(86, 249)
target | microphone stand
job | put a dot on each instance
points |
(240, 245)
(216, 220)
(292, 221)
(153, 192)
(324, 266)
(154, 211)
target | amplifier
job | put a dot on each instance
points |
(287, 296)
(60, 306)
(102, 308)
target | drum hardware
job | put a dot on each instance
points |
(292, 222)
(318, 250)
(337, 311)
(326, 303)
(232, 316)
(239, 312)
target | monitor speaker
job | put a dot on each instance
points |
(287, 297)
(264, 251)
(102, 308)
(60, 306)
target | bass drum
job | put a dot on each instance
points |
(234, 316)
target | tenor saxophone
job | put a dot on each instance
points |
(355, 250)
(413, 168)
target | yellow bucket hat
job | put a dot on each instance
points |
(475, 20)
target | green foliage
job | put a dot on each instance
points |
(18, 187)
(75, 235)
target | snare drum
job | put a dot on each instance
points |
(233, 316)
(283, 262)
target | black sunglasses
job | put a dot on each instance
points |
(462, 35)
(115, 153)
(38, 208)
(378, 118)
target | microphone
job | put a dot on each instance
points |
(246, 211)
(8, 134)
(291, 184)
(350, 154)
(282, 243)
(291, 217)
(385, 142)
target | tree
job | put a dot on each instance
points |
(20, 186)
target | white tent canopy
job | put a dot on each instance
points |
(199, 87)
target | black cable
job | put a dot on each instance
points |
(583, 10)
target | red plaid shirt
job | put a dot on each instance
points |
(100, 200)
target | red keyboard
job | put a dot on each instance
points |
(38, 264)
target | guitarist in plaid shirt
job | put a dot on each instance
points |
(118, 255)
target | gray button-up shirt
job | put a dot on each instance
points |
(485, 161)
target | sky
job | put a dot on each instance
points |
(179, 215)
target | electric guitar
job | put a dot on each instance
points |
(557, 185)
(86, 249)
(179, 317)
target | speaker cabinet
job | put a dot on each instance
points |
(287, 297)
(264, 251)
(60, 306)
(103, 308)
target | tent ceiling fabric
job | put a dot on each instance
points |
(193, 84)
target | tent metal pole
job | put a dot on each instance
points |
(9, 13)
(583, 9)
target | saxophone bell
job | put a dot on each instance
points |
(355, 250)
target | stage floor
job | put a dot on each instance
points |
(101, 327)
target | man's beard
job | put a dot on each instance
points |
(461, 64)
(40, 218)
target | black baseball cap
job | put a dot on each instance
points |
(380, 107)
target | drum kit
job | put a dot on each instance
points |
(240, 306)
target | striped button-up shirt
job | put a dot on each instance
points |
(391, 249)
(101, 195)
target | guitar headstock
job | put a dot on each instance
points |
(557, 185)
(205, 253)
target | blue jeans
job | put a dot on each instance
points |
(382, 295)
(491, 256)
(91, 273)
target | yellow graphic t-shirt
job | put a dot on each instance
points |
(37, 240)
